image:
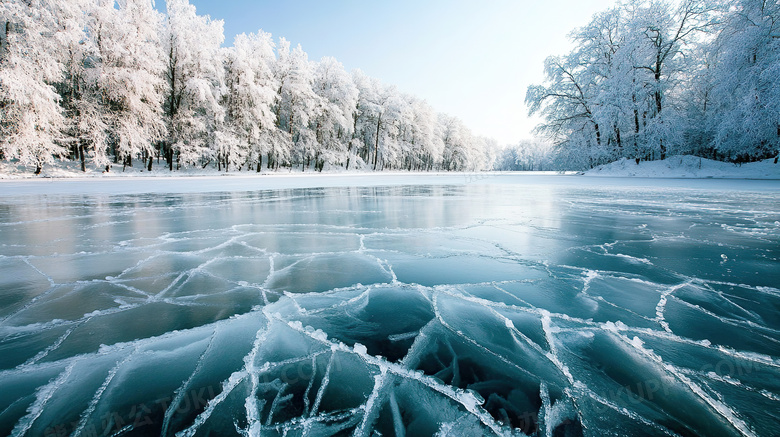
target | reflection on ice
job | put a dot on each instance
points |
(445, 310)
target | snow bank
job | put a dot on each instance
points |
(688, 166)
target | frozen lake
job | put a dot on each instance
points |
(401, 305)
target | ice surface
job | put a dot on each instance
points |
(511, 306)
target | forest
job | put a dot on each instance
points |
(106, 82)
(650, 79)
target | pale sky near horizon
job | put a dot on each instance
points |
(470, 59)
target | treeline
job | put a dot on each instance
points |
(109, 82)
(647, 79)
(529, 155)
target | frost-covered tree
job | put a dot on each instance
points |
(742, 106)
(77, 53)
(605, 62)
(195, 83)
(124, 83)
(250, 122)
(358, 150)
(33, 48)
(333, 119)
(568, 105)
(660, 35)
(395, 144)
(379, 109)
(423, 134)
(528, 155)
(622, 90)
(297, 102)
(457, 143)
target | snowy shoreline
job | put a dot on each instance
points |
(682, 172)
(689, 167)
(685, 167)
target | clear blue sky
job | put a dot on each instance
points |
(472, 59)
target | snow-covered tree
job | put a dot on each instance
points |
(379, 108)
(121, 107)
(660, 35)
(297, 102)
(426, 143)
(568, 105)
(195, 83)
(457, 143)
(333, 120)
(605, 60)
(743, 94)
(33, 48)
(528, 155)
(250, 124)
(622, 91)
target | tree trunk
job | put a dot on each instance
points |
(598, 133)
(663, 149)
(149, 164)
(81, 156)
(169, 155)
(4, 40)
(376, 144)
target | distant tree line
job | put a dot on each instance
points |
(529, 155)
(648, 79)
(108, 82)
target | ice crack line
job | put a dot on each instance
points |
(181, 391)
(231, 383)
(43, 396)
(42, 354)
(99, 394)
(717, 405)
(661, 307)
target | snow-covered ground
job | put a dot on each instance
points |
(688, 166)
